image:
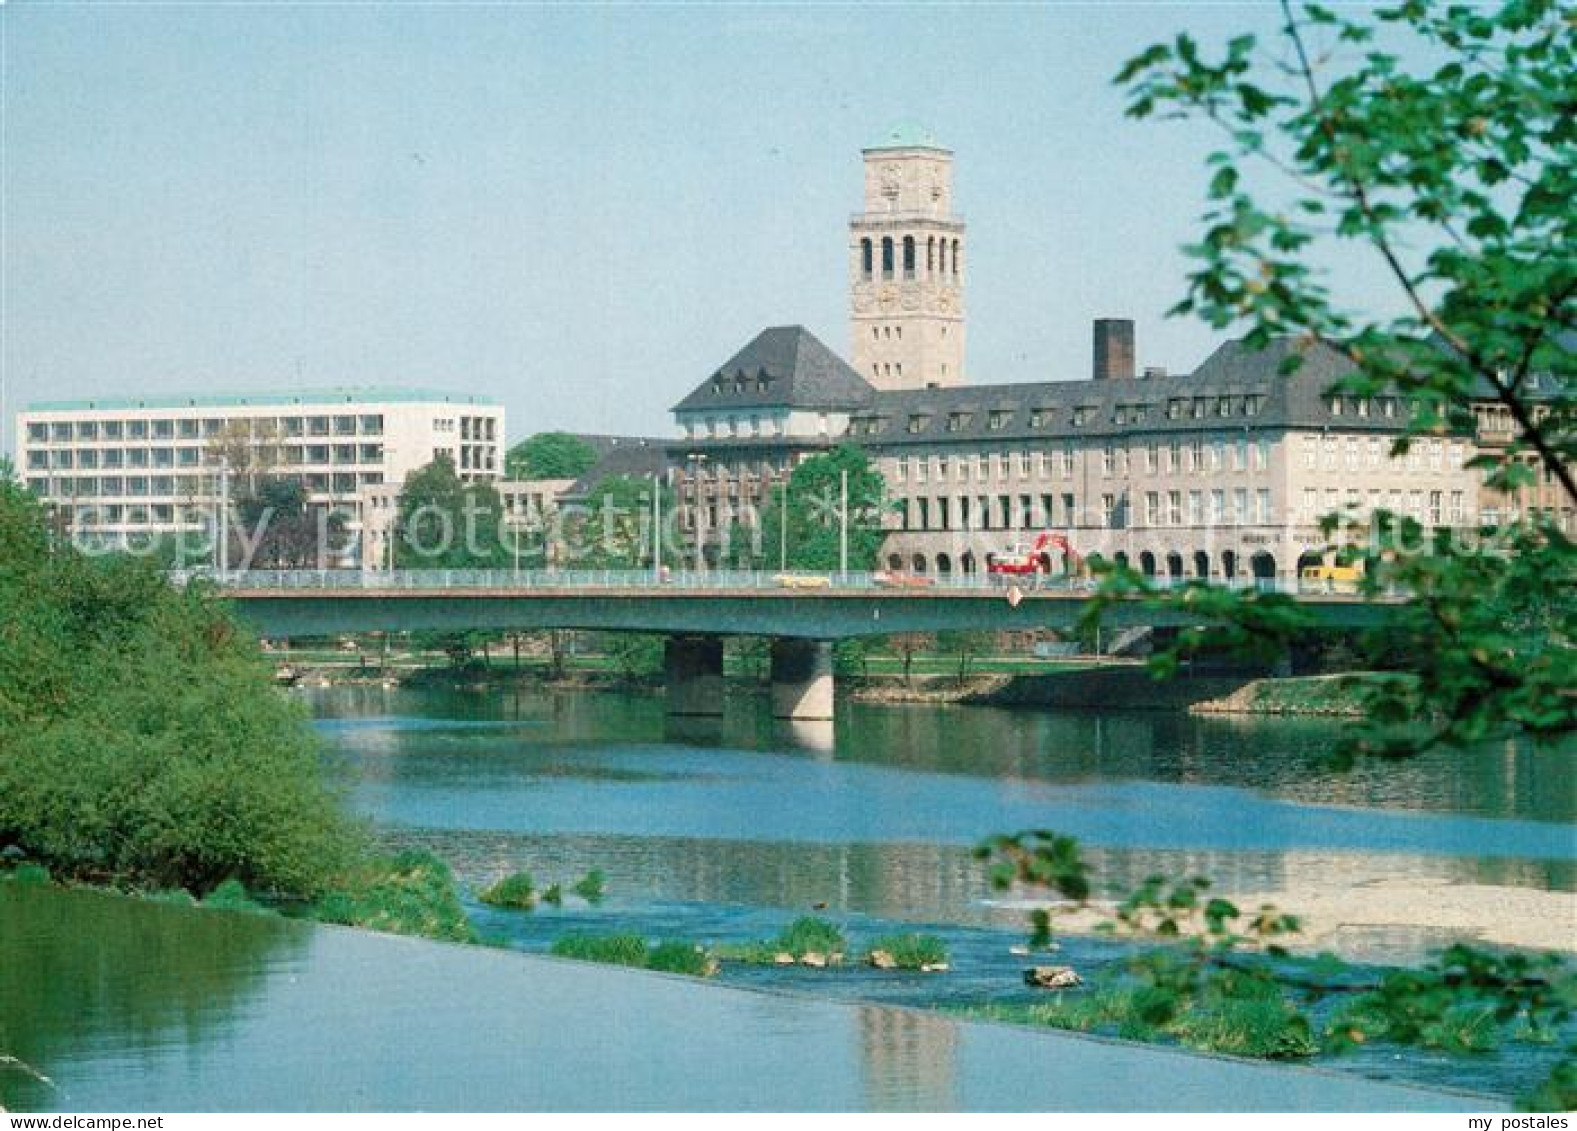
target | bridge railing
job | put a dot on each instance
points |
(807, 582)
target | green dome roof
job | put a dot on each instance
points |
(907, 135)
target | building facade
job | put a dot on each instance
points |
(125, 469)
(1222, 473)
(906, 267)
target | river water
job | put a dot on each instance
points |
(725, 831)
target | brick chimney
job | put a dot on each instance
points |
(1114, 349)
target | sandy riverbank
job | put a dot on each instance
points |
(1386, 918)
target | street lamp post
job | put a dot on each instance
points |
(657, 528)
(223, 547)
(783, 523)
(843, 524)
(696, 459)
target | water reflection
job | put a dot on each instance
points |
(86, 976)
(1282, 758)
(135, 1007)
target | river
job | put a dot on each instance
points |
(725, 831)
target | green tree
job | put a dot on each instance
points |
(612, 527)
(446, 523)
(550, 455)
(965, 646)
(277, 527)
(1456, 175)
(141, 738)
(814, 500)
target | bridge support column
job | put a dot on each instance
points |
(694, 669)
(802, 682)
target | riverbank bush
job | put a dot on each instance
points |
(616, 950)
(411, 893)
(805, 936)
(518, 892)
(232, 896)
(141, 738)
(909, 951)
(592, 887)
(672, 956)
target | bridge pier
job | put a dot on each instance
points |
(693, 666)
(802, 683)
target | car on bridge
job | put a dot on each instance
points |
(802, 581)
(892, 579)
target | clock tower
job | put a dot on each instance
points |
(906, 266)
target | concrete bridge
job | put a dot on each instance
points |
(800, 613)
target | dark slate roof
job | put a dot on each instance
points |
(637, 457)
(1127, 406)
(782, 367)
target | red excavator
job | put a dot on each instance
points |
(1020, 560)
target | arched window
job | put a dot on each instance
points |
(1264, 567)
(955, 257)
(887, 257)
(941, 257)
(908, 257)
(1201, 564)
(895, 562)
(1147, 564)
(919, 563)
(866, 255)
(1174, 565)
(930, 255)
(944, 564)
(967, 562)
(1229, 564)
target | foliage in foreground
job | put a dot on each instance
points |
(141, 738)
(1222, 981)
(411, 893)
(1436, 140)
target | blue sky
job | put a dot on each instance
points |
(580, 211)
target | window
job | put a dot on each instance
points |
(1240, 510)
(1040, 417)
(1023, 465)
(1152, 508)
(916, 423)
(999, 419)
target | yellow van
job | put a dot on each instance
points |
(1330, 578)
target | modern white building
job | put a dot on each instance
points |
(127, 468)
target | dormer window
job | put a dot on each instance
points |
(999, 419)
(1174, 408)
(1081, 415)
(1224, 406)
(917, 423)
(958, 421)
(717, 384)
(1039, 417)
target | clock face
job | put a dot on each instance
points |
(892, 175)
